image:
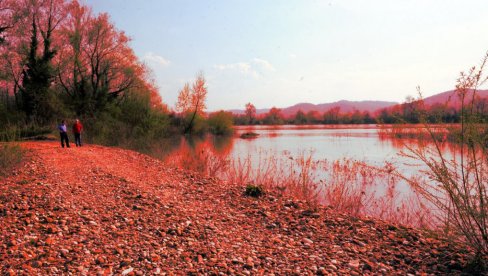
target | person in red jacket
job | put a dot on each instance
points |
(77, 128)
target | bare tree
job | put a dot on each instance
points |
(191, 102)
(96, 65)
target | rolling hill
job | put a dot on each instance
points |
(449, 97)
(345, 106)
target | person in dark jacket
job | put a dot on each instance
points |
(63, 133)
(77, 128)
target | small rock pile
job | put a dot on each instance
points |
(100, 211)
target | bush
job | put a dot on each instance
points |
(130, 123)
(197, 126)
(254, 190)
(10, 156)
(220, 123)
(458, 185)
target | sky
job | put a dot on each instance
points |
(280, 53)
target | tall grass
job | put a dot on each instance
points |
(296, 177)
(10, 156)
(201, 158)
(348, 186)
(9, 133)
(15, 132)
(437, 132)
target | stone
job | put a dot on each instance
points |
(307, 241)
(354, 264)
(127, 271)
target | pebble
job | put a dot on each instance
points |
(354, 264)
(333, 267)
(127, 271)
(307, 241)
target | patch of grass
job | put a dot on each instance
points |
(9, 133)
(254, 190)
(32, 131)
(10, 156)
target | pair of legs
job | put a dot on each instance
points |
(78, 139)
(64, 138)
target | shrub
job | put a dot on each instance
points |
(10, 156)
(130, 123)
(194, 124)
(254, 190)
(458, 185)
(220, 123)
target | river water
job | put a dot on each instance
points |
(282, 147)
(359, 142)
(322, 142)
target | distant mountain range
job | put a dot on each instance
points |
(448, 97)
(345, 106)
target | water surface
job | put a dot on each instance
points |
(359, 142)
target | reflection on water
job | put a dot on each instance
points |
(325, 142)
(349, 163)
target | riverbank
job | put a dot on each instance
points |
(107, 210)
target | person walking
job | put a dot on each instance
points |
(63, 133)
(77, 128)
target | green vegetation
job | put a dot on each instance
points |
(220, 123)
(131, 123)
(10, 156)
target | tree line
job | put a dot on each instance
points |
(412, 112)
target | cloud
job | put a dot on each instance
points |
(255, 67)
(152, 57)
(243, 67)
(264, 64)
